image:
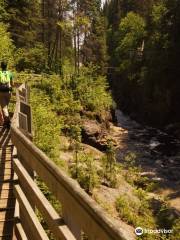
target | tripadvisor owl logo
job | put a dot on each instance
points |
(139, 231)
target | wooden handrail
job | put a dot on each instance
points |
(80, 213)
(53, 220)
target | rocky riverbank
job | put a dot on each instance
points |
(157, 158)
(158, 152)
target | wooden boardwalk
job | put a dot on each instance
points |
(7, 200)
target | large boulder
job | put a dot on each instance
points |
(91, 134)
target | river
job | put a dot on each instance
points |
(158, 154)
(158, 147)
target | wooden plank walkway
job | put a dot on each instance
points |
(7, 200)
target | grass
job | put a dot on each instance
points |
(135, 211)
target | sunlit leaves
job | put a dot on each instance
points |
(6, 45)
(158, 13)
(131, 32)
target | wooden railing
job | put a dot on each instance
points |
(80, 213)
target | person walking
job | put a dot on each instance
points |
(6, 79)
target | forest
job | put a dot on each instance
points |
(143, 54)
(134, 43)
(85, 60)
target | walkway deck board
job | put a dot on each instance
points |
(7, 200)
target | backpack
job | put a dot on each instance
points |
(5, 79)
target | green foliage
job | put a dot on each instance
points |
(133, 175)
(110, 166)
(73, 131)
(85, 171)
(92, 23)
(3, 13)
(6, 44)
(33, 59)
(60, 94)
(135, 211)
(72, 94)
(55, 203)
(176, 230)
(138, 212)
(158, 36)
(65, 25)
(47, 125)
(165, 216)
(159, 10)
(24, 21)
(57, 104)
(131, 32)
(66, 103)
(91, 90)
(142, 35)
(130, 159)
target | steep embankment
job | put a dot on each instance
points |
(127, 190)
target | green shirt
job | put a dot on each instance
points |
(6, 77)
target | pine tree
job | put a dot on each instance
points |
(24, 21)
(6, 45)
(94, 48)
(56, 34)
(3, 13)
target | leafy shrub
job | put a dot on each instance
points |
(92, 92)
(165, 216)
(132, 173)
(176, 230)
(32, 59)
(46, 124)
(6, 46)
(45, 190)
(132, 32)
(110, 166)
(136, 212)
(130, 159)
(85, 171)
(71, 94)
(3, 13)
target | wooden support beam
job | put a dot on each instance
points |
(31, 224)
(19, 232)
(26, 110)
(51, 217)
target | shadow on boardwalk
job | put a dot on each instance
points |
(7, 200)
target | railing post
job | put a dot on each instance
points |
(70, 221)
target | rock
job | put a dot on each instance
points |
(154, 143)
(173, 129)
(113, 116)
(91, 134)
(171, 161)
(103, 116)
(92, 128)
(157, 179)
(89, 149)
(159, 162)
(148, 174)
(170, 128)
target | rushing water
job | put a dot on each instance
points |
(158, 150)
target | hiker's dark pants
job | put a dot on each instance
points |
(4, 102)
